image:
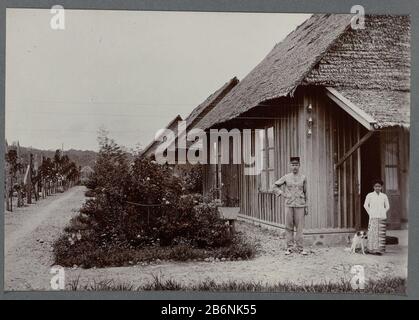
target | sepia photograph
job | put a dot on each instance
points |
(206, 151)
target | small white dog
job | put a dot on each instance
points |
(359, 241)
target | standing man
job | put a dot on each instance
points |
(295, 205)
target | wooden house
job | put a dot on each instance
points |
(337, 97)
(191, 120)
(150, 149)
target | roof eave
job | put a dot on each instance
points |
(353, 110)
(146, 151)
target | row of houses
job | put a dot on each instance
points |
(337, 97)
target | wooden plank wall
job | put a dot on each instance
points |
(333, 195)
(404, 145)
(399, 199)
(248, 187)
(348, 132)
(231, 174)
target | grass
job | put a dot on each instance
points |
(382, 286)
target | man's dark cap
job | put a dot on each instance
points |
(295, 159)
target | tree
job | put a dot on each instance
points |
(111, 167)
(47, 175)
(72, 173)
(14, 166)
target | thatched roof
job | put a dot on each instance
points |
(196, 115)
(371, 68)
(326, 51)
(377, 57)
(388, 108)
(283, 69)
(200, 111)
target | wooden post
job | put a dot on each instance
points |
(29, 182)
(358, 185)
(354, 148)
(9, 183)
(9, 198)
(19, 197)
(36, 190)
(11, 193)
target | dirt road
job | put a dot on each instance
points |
(270, 266)
(29, 235)
(30, 232)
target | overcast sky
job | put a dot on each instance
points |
(129, 71)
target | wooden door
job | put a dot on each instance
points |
(391, 176)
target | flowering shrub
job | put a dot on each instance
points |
(193, 177)
(141, 205)
(210, 230)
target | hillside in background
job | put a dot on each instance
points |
(80, 157)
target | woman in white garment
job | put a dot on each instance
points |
(376, 204)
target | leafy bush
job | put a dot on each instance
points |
(152, 206)
(87, 254)
(91, 182)
(89, 193)
(193, 177)
(207, 229)
(142, 205)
